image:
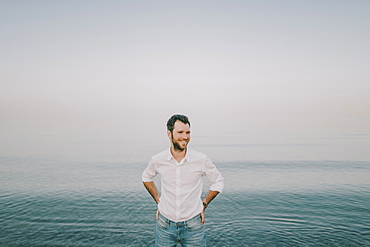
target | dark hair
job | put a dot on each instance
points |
(177, 117)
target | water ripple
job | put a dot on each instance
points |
(121, 213)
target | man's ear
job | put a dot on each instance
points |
(169, 134)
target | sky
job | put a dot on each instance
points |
(129, 64)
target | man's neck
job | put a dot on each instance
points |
(177, 154)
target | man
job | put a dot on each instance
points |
(180, 215)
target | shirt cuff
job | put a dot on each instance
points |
(217, 186)
(146, 179)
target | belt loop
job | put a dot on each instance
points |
(164, 218)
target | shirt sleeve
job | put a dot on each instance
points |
(149, 173)
(214, 176)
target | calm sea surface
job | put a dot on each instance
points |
(90, 197)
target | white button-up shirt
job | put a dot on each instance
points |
(182, 183)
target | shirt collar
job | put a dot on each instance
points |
(169, 155)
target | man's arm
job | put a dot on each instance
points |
(152, 189)
(209, 197)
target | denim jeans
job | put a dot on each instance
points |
(187, 233)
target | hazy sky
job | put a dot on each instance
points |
(96, 60)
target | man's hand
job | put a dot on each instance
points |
(202, 217)
(157, 214)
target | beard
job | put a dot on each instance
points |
(177, 146)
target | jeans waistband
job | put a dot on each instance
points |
(178, 223)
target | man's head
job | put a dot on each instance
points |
(171, 122)
(178, 130)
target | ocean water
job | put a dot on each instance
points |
(90, 197)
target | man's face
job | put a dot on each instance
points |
(180, 136)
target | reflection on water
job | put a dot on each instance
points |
(54, 203)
